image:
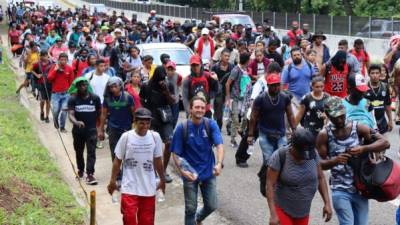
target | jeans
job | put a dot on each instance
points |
(138, 210)
(59, 102)
(268, 146)
(81, 138)
(175, 113)
(208, 190)
(351, 208)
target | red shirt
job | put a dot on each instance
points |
(14, 36)
(134, 94)
(79, 67)
(60, 80)
(363, 59)
(336, 81)
(293, 37)
(44, 68)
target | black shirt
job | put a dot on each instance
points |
(314, 108)
(379, 98)
(275, 57)
(272, 113)
(153, 99)
(216, 68)
(86, 110)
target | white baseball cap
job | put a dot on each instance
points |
(205, 31)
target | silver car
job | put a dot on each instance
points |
(380, 29)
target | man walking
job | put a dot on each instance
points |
(140, 152)
(298, 76)
(60, 77)
(336, 144)
(84, 109)
(192, 142)
(234, 90)
(268, 112)
(118, 111)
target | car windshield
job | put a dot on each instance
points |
(238, 20)
(179, 56)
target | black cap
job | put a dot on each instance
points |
(143, 113)
(304, 143)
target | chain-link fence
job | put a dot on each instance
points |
(371, 27)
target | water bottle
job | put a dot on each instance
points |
(116, 197)
(227, 113)
(185, 166)
(160, 196)
(398, 216)
(250, 149)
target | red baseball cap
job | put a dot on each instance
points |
(195, 59)
(171, 64)
(273, 78)
(108, 39)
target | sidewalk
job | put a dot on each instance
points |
(169, 212)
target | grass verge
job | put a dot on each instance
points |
(31, 187)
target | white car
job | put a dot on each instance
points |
(47, 4)
(179, 53)
(99, 8)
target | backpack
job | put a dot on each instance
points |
(185, 125)
(199, 86)
(374, 178)
(262, 174)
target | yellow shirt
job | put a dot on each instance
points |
(31, 59)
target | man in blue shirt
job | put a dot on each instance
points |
(192, 142)
(118, 111)
(297, 75)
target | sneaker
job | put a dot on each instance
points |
(47, 120)
(63, 130)
(42, 116)
(99, 145)
(234, 144)
(168, 178)
(242, 164)
(80, 175)
(91, 180)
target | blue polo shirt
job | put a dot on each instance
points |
(299, 79)
(198, 149)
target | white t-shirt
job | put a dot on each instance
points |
(137, 154)
(259, 87)
(98, 82)
(260, 69)
(206, 53)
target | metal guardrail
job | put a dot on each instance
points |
(336, 25)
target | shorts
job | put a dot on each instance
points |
(29, 75)
(165, 130)
(45, 92)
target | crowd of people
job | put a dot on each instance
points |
(310, 110)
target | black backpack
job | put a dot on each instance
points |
(262, 174)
